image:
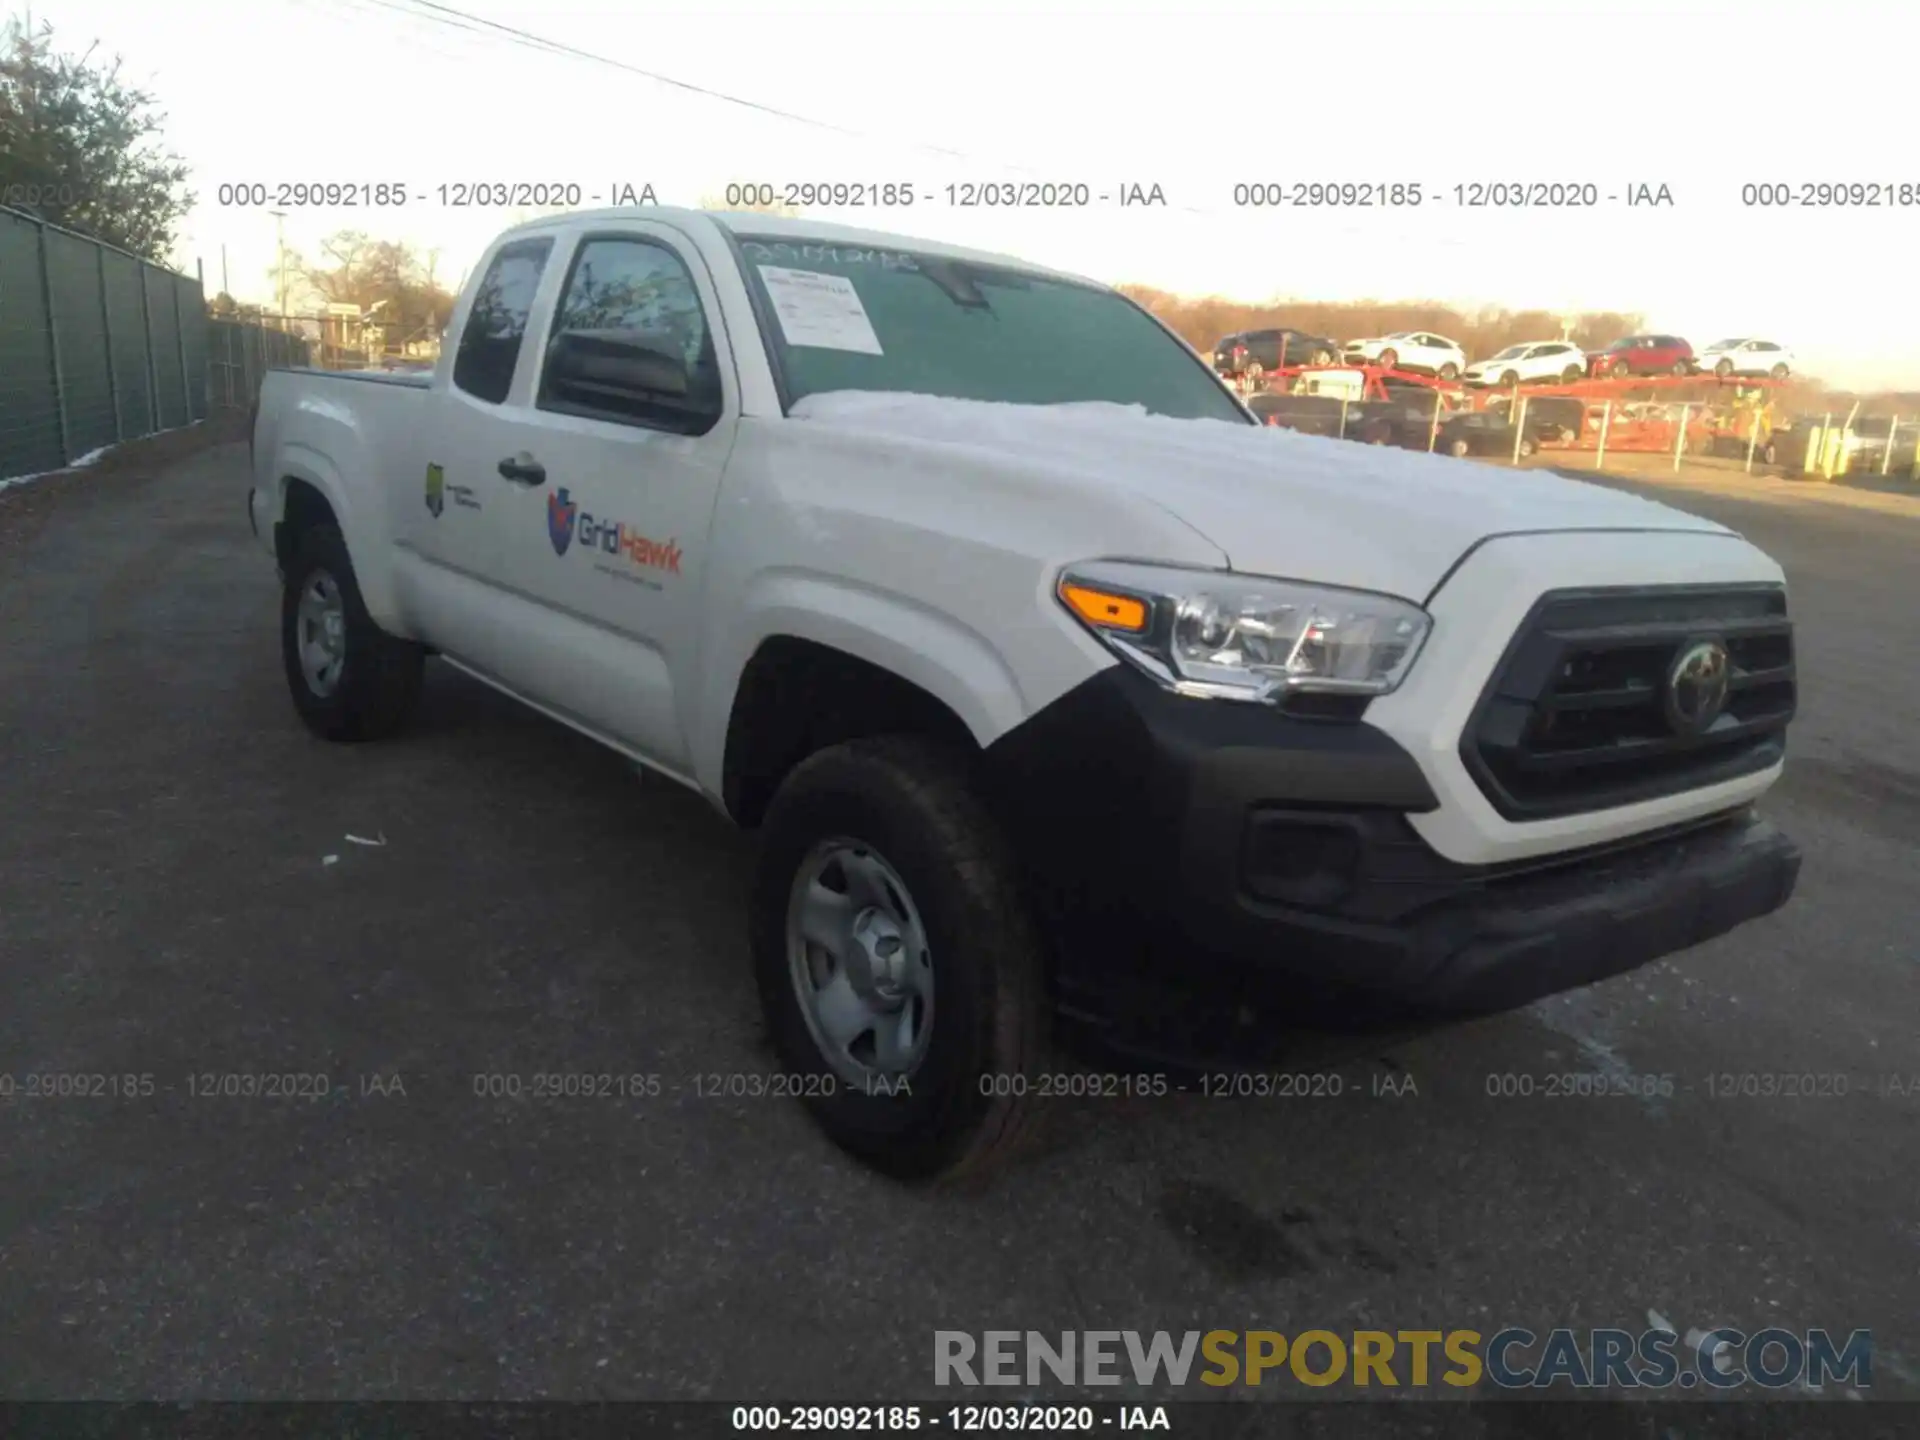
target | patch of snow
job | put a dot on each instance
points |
(92, 457)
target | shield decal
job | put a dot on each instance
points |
(560, 515)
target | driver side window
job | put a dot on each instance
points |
(630, 340)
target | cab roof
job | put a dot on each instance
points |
(782, 227)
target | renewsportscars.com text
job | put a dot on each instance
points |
(1512, 1358)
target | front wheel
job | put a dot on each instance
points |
(1571, 375)
(1389, 359)
(1527, 447)
(1449, 371)
(1779, 372)
(899, 971)
(1679, 368)
(350, 680)
(1459, 449)
(1323, 357)
(1510, 379)
(1723, 369)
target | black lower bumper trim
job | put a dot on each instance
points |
(1271, 869)
(1559, 929)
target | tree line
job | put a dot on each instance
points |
(1203, 321)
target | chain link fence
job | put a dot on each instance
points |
(98, 346)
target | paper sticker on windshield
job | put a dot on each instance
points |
(820, 311)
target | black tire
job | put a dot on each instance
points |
(1779, 372)
(1459, 449)
(1322, 357)
(1679, 368)
(1723, 369)
(1389, 359)
(1769, 454)
(1571, 375)
(1510, 378)
(1527, 447)
(1449, 371)
(911, 801)
(379, 677)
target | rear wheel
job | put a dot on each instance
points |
(1389, 358)
(350, 680)
(1679, 367)
(1449, 371)
(1323, 357)
(1527, 446)
(1723, 369)
(1571, 375)
(1255, 375)
(1779, 372)
(1510, 378)
(899, 972)
(1459, 449)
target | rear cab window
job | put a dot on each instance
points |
(497, 320)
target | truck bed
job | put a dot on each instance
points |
(411, 380)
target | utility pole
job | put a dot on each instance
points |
(280, 244)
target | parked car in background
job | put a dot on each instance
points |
(1309, 414)
(1490, 432)
(1745, 357)
(1252, 353)
(1406, 421)
(1642, 355)
(1341, 384)
(1420, 350)
(1534, 360)
(1550, 417)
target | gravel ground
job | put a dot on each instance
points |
(167, 909)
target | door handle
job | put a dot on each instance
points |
(523, 470)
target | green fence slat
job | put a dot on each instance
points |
(29, 419)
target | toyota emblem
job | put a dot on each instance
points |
(1697, 686)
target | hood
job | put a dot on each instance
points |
(1276, 502)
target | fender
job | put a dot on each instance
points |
(366, 546)
(937, 652)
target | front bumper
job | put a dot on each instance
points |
(1220, 855)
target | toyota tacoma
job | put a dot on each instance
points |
(1057, 688)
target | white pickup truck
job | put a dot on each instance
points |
(1056, 686)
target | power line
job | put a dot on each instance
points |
(433, 12)
(447, 14)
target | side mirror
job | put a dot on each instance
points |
(615, 369)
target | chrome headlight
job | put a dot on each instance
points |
(1245, 637)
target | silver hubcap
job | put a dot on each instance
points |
(862, 972)
(320, 633)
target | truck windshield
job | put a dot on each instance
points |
(851, 317)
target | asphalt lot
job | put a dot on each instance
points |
(166, 910)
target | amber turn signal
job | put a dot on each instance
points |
(1104, 608)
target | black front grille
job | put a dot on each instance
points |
(1575, 718)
